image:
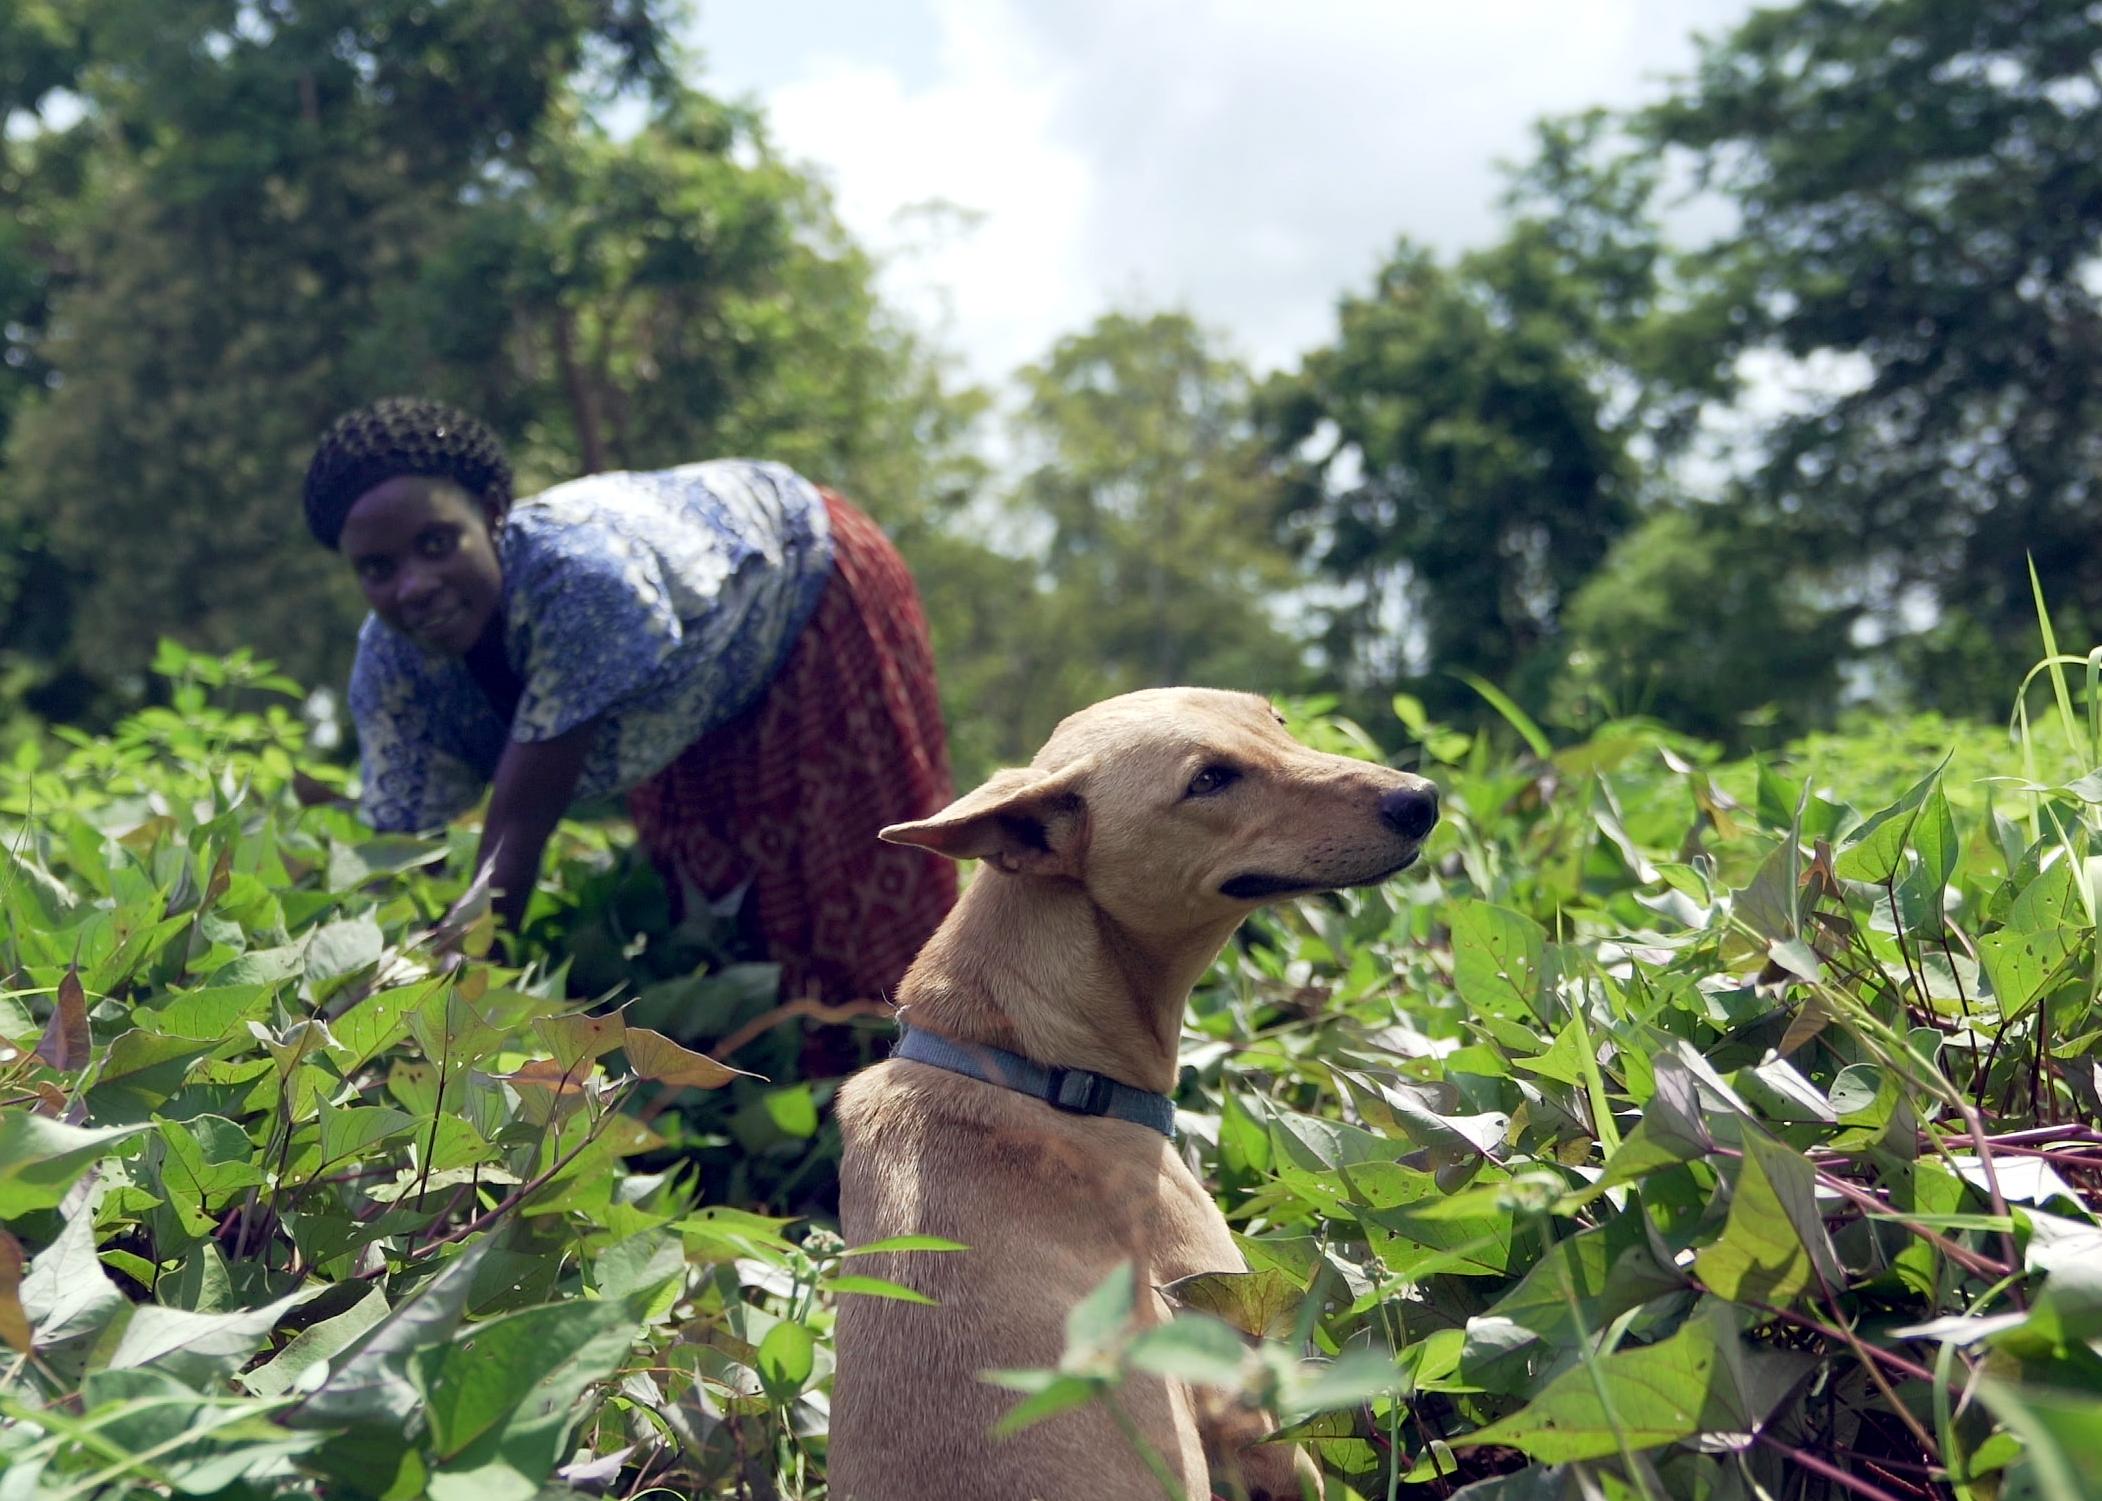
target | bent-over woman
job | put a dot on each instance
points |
(739, 651)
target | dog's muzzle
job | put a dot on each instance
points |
(1411, 812)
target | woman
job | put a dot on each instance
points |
(739, 651)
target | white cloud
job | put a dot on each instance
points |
(980, 137)
(1249, 160)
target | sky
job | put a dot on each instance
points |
(1249, 161)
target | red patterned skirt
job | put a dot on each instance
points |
(790, 794)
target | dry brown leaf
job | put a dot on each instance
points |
(655, 1056)
(312, 792)
(222, 877)
(1807, 1024)
(64, 1045)
(148, 834)
(14, 1323)
(547, 1090)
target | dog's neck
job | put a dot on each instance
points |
(1032, 965)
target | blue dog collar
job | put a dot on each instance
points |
(1073, 1090)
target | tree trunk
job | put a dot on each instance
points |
(581, 408)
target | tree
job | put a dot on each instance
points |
(41, 52)
(1916, 189)
(1464, 453)
(290, 209)
(257, 181)
(1452, 469)
(640, 301)
(1702, 618)
(1152, 498)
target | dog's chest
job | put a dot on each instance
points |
(1091, 1187)
(1201, 1242)
(986, 1167)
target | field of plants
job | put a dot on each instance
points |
(1676, 1129)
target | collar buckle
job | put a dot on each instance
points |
(1078, 1092)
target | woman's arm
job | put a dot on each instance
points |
(534, 782)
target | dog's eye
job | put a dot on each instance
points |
(1212, 779)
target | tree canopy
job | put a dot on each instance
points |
(1916, 190)
(262, 217)
(1464, 454)
(222, 223)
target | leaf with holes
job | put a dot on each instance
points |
(2022, 966)
(576, 1036)
(1498, 959)
(448, 1027)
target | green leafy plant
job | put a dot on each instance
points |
(1674, 1140)
(294, 1206)
(1677, 1127)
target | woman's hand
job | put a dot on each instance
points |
(448, 940)
(534, 783)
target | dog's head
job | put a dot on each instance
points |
(1179, 808)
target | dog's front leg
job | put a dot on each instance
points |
(1243, 1467)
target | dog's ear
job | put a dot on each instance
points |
(1022, 821)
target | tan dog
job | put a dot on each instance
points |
(1118, 864)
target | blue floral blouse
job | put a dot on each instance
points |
(659, 604)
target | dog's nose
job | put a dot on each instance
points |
(1410, 812)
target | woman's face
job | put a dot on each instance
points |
(424, 551)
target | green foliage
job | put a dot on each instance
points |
(263, 218)
(245, 219)
(1703, 622)
(1677, 1126)
(1144, 515)
(1910, 210)
(1463, 455)
(1145, 476)
(291, 1207)
(1914, 189)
